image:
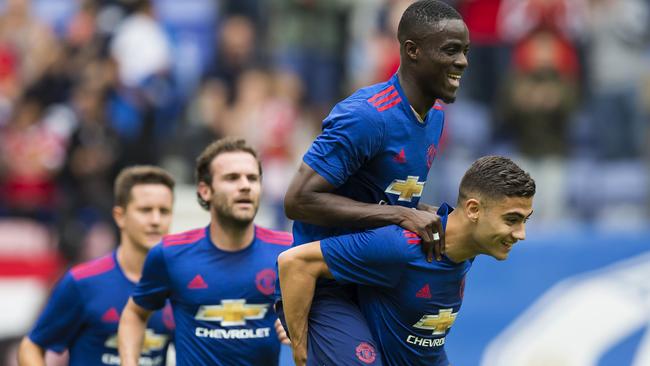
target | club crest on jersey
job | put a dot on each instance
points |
(152, 342)
(406, 189)
(366, 353)
(439, 324)
(232, 312)
(265, 281)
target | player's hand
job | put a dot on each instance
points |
(282, 334)
(427, 225)
(299, 354)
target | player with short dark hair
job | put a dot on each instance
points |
(83, 312)
(410, 304)
(369, 165)
(220, 279)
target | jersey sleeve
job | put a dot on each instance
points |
(154, 287)
(62, 317)
(373, 257)
(349, 138)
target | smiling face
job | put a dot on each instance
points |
(146, 217)
(234, 194)
(439, 58)
(500, 223)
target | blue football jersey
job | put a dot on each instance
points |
(409, 303)
(222, 300)
(373, 149)
(83, 313)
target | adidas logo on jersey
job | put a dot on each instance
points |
(424, 292)
(197, 283)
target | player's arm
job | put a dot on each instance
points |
(150, 294)
(57, 326)
(310, 199)
(130, 335)
(30, 353)
(299, 269)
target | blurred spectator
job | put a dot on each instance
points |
(237, 52)
(308, 38)
(31, 154)
(204, 123)
(29, 40)
(140, 34)
(518, 18)
(618, 37)
(540, 95)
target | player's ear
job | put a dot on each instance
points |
(203, 189)
(118, 216)
(472, 209)
(411, 49)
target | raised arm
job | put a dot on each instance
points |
(310, 199)
(299, 269)
(130, 335)
(30, 353)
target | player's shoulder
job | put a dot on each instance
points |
(397, 235)
(280, 239)
(92, 269)
(370, 101)
(183, 239)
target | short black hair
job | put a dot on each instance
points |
(419, 17)
(495, 177)
(227, 144)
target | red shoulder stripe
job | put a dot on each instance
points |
(273, 237)
(187, 237)
(414, 241)
(386, 99)
(381, 93)
(93, 268)
(389, 105)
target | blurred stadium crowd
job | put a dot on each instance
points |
(88, 87)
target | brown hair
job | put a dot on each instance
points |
(227, 144)
(139, 174)
(495, 177)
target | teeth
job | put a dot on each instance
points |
(453, 76)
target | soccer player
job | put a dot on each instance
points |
(369, 165)
(83, 313)
(220, 278)
(409, 303)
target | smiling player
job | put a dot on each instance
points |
(368, 168)
(410, 304)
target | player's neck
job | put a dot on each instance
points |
(231, 238)
(458, 239)
(131, 260)
(418, 101)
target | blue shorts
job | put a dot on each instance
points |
(338, 333)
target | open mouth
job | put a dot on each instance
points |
(454, 79)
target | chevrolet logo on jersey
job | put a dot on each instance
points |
(152, 342)
(406, 189)
(437, 323)
(232, 312)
